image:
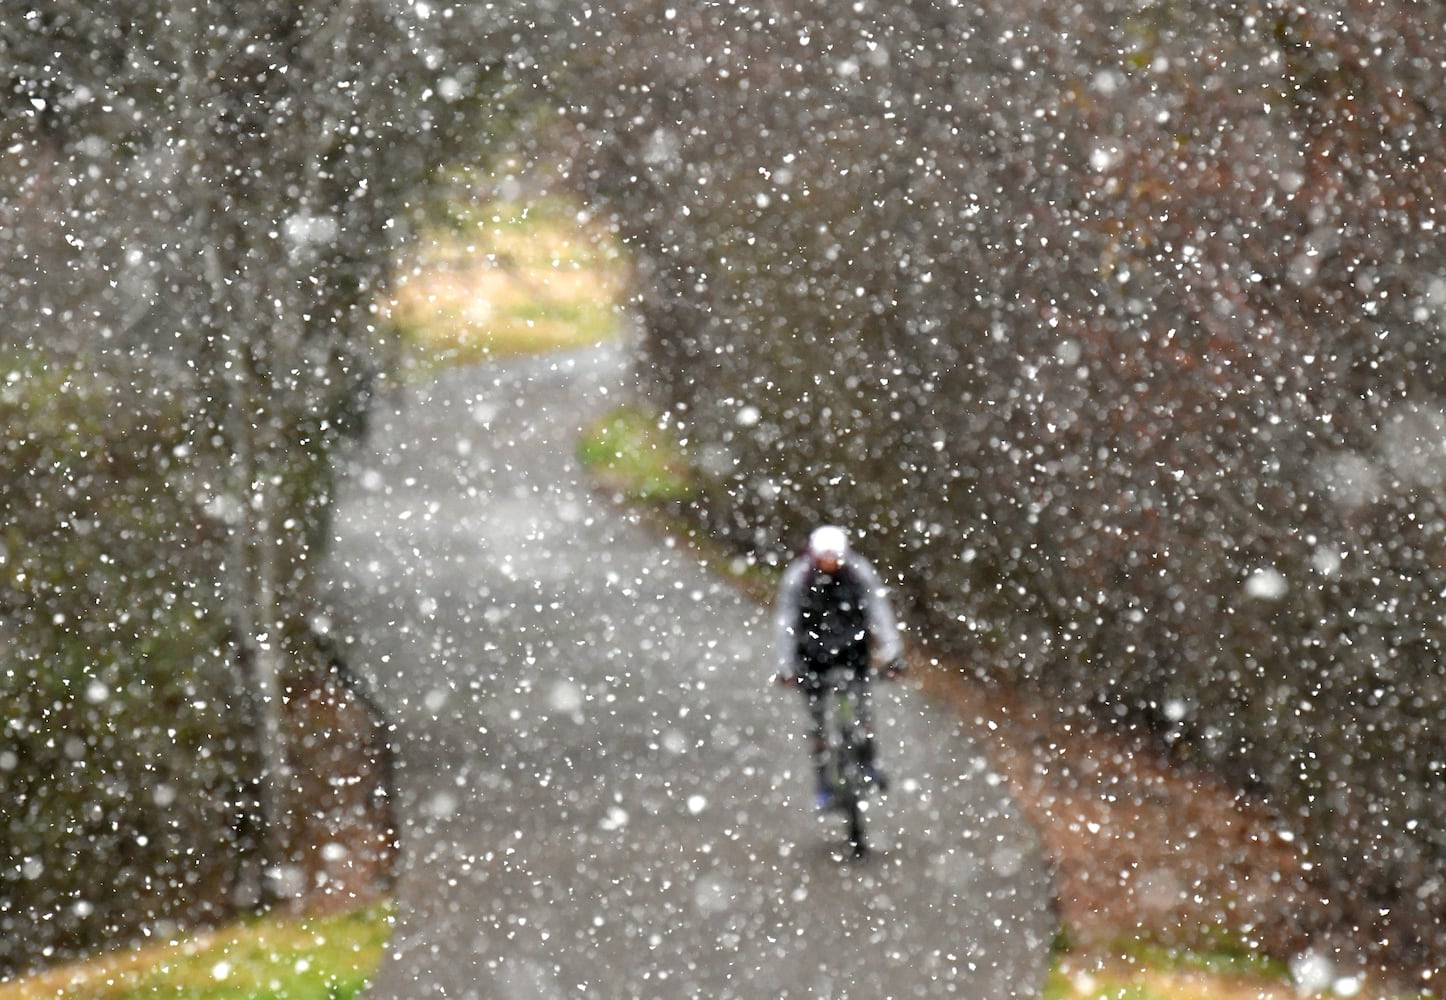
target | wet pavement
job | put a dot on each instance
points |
(600, 792)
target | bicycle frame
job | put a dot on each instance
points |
(846, 765)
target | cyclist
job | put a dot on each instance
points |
(833, 624)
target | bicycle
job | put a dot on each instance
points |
(846, 767)
(849, 774)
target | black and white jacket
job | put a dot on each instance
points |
(883, 628)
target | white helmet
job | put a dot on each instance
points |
(828, 541)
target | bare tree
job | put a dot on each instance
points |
(201, 204)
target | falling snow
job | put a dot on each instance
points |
(1111, 331)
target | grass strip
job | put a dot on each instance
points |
(631, 453)
(268, 958)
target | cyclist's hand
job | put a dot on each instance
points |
(785, 680)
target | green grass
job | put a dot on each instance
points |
(321, 958)
(1225, 958)
(1139, 971)
(629, 452)
(1158, 977)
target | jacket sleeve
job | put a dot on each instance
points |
(785, 619)
(883, 626)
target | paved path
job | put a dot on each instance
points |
(600, 794)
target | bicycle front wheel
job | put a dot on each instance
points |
(855, 811)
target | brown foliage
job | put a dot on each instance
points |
(1115, 327)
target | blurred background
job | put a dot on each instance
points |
(1113, 328)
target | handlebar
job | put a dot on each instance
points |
(891, 671)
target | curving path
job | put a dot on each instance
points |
(600, 793)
